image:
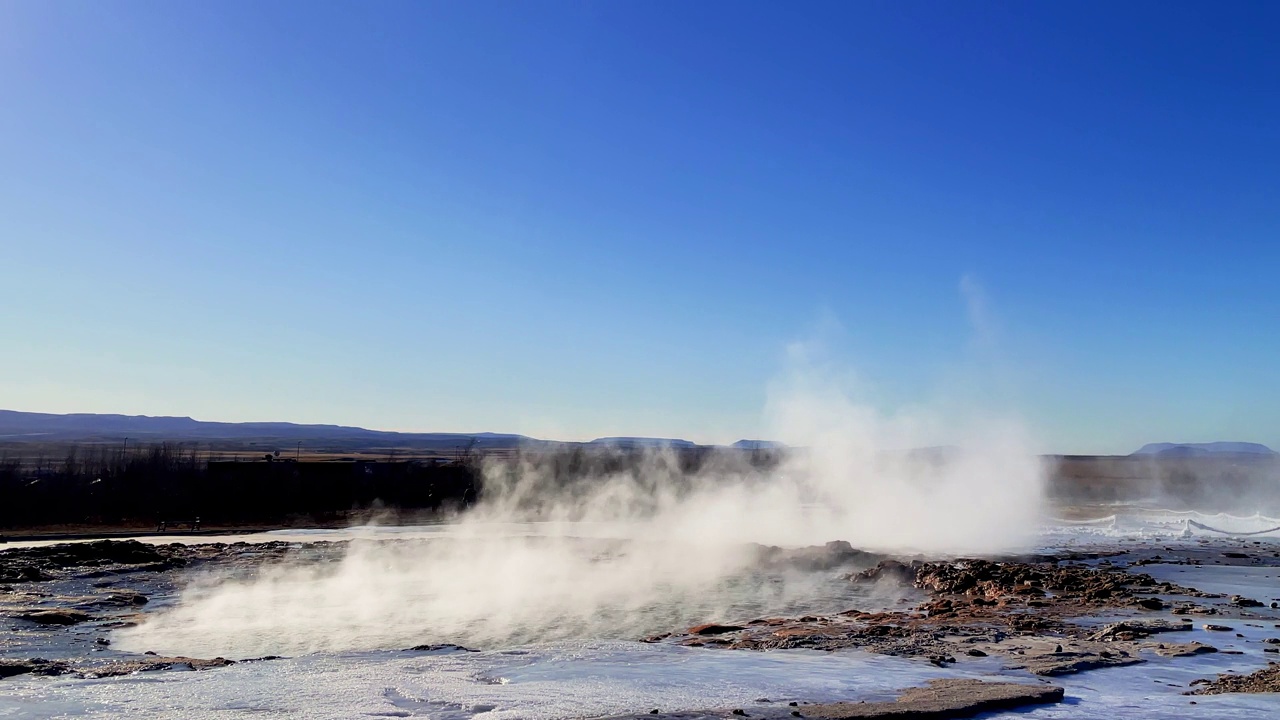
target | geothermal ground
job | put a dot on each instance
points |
(1141, 615)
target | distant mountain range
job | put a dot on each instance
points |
(16, 426)
(758, 445)
(643, 442)
(89, 427)
(1203, 449)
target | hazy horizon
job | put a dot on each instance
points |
(714, 442)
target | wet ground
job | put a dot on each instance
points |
(1191, 614)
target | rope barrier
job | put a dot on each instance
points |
(1202, 526)
(1109, 520)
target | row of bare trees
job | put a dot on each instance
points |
(96, 484)
(99, 485)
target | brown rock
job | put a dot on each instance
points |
(1136, 629)
(128, 667)
(1069, 663)
(33, 666)
(54, 617)
(888, 569)
(1266, 680)
(23, 573)
(714, 629)
(949, 698)
(1185, 650)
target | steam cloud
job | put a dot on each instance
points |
(642, 548)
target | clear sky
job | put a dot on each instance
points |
(576, 219)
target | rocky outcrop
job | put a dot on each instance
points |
(1068, 662)
(17, 573)
(1034, 614)
(32, 666)
(40, 666)
(1177, 650)
(1137, 629)
(714, 629)
(1266, 680)
(966, 586)
(36, 564)
(939, 700)
(118, 598)
(942, 699)
(151, 664)
(60, 616)
(894, 570)
(816, 558)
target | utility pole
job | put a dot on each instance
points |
(298, 455)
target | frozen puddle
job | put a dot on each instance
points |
(568, 680)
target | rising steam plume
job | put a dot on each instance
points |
(643, 546)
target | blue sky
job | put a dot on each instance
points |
(578, 219)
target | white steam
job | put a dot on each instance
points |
(643, 547)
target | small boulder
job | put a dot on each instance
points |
(1185, 650)
(714, 629)
(888, 569)
(23, 573)
(54, 617)
(32, 666)
(129, 667)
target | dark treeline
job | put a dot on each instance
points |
(96, 484)
(100, 485)
(174, 482)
